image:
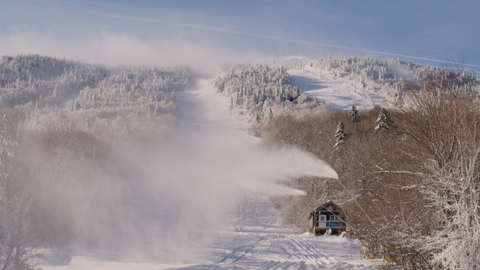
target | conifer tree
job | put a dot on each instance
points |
(340, 135)
(270, 115)
(354, 114)
(383, 120)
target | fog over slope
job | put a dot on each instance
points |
(194, 183)
(129, 162)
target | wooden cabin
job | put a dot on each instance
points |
(328, 216)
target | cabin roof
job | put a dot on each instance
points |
(337, 210)
(336, 207)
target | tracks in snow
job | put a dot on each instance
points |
(276, 251)
(336, 92)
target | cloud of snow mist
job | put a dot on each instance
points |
(122, 49)
(186, 193)
(401, 71)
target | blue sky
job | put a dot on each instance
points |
(180, 31)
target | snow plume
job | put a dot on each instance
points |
(185, 193)
(399, 69)
(120, 49)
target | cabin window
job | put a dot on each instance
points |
(333, 218)
(322, 218)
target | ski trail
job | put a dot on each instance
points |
(336, 92)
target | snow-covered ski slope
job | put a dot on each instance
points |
(338, 93)
(256, 242)
(224, 218)
(253, 241)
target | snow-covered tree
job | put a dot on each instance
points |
(455, 195)
(17, 246)
(353, 114)
(259, 92)
(340, 135)
(269, 116)
(383, 120)
(442, 120)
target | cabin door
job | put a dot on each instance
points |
(322, 221)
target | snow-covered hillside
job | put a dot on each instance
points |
(335, 92)
(297, 85)
(226, 222)
(365, 82)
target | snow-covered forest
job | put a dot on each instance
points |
(42, 85)
(388, 76)
(76, 140)
(65, 125)
(259, 93)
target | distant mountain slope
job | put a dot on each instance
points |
(31, 78)
(365, 81)
(88, 93)
(335, 92)
(302, 86)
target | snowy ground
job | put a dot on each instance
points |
(224, 220)
(339, 93)
(254, 241)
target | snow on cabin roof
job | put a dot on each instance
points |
(336, 207)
